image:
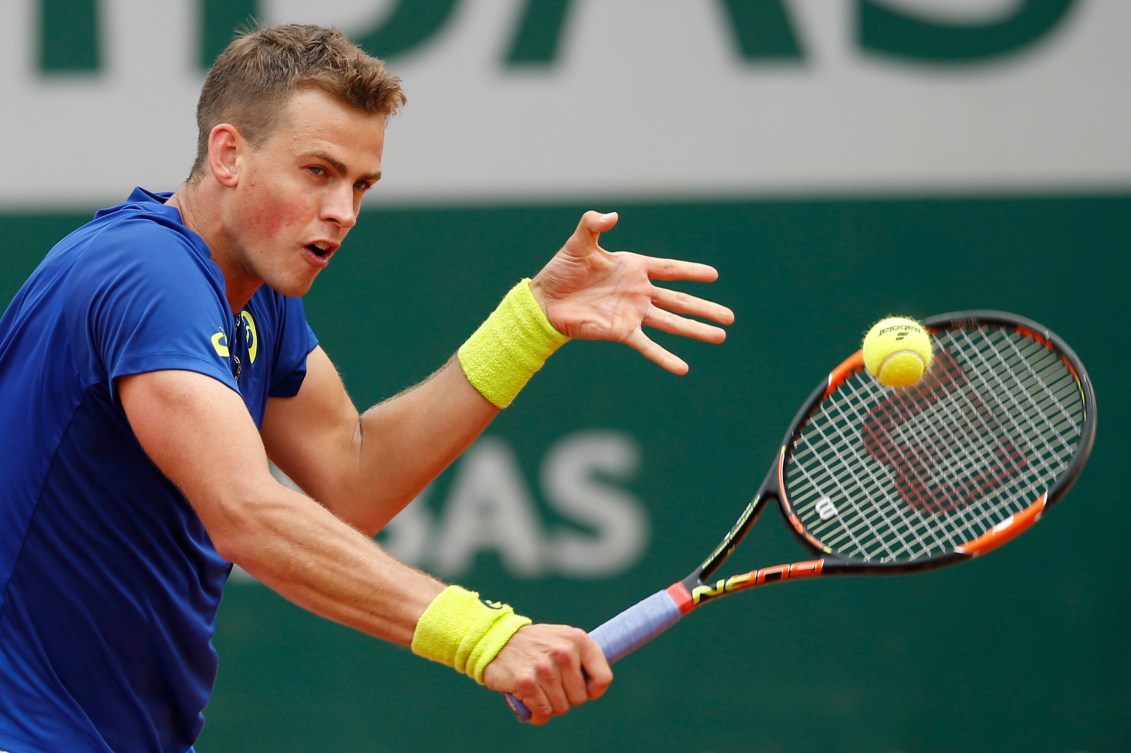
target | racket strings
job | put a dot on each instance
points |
(874, 525)
(988, 439)
(997, 441)
(874, 518)
(889, 475)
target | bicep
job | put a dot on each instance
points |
(313, 436)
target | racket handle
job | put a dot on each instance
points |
(623, 634)
(636, 625)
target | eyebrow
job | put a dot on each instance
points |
(341, 168)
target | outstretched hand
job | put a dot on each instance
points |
(593, 294)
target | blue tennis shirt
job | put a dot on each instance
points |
(109, 584)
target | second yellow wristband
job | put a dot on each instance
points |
(464, 632)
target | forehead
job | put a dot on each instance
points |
(311, 119)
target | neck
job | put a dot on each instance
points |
(202, 217)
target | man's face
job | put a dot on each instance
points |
(299, 193)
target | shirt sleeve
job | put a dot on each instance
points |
(296, 342)
(145, 298)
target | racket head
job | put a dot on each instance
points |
(882, 479)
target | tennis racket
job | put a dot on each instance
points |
(879, 481)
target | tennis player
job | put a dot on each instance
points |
(159, 356)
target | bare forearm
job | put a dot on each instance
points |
(303, 552)
(407, 441)
(416, 435)
(366, 468)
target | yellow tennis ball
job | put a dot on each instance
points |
(897, 351)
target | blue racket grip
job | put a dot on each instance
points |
(623, 634)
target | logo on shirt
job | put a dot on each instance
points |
(250, 336)
(220, 344)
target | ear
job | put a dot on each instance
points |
(224, 147)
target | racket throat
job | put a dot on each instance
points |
(700, 592)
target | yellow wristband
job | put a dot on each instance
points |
(464, 632)
(512, 344)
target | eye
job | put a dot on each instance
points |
(317, 170)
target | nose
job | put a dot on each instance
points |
(341, 208)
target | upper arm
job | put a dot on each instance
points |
(199, 434)
(313, 437)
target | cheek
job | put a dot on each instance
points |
(274, 216)
(282, 217)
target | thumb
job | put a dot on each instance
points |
(593, 224)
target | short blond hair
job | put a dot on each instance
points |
(261, 69)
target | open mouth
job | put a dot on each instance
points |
(321, 250)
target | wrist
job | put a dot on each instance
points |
(462, 631)
(509, 347)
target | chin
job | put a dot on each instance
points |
(292, 288)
